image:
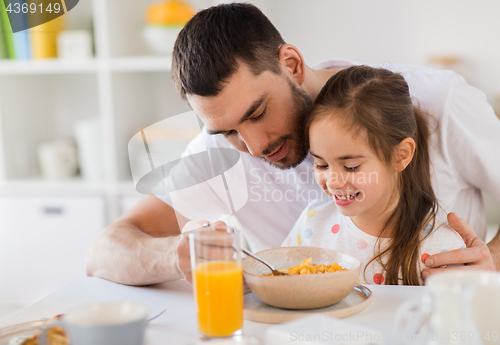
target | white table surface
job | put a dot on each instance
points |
(178, 324)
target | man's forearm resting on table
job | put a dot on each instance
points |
(126, 255)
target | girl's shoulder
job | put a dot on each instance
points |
(440, 237)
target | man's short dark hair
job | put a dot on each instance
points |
(210, 46)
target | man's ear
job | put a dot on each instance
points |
(292, 62)
(404, 154)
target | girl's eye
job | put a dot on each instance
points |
(352, 168)
(320, 167)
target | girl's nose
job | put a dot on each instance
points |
(336, 180)
(332, 181)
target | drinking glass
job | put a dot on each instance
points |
(217, 281)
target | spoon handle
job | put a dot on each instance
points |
(257, 258)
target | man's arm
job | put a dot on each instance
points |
(476, 255)
(139, 248)
(494, 247)
(472, 136)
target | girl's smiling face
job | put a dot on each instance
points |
(349, 172)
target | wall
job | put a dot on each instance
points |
(396, 31)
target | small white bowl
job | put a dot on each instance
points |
(161, 39)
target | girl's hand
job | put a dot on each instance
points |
(183, 257)
(475, 256)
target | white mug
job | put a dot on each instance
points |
(118, 323)
(74, 44)
(58, 159)
(486, 306)
(462, 307)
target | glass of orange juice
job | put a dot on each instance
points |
(217, 281)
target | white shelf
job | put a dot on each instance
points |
(74, 185)
(39, 185)
(47, 66)
(57, 66)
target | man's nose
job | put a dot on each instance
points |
(255, 141)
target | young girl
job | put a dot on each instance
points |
(370, 149)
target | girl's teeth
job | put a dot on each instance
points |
(349, 197)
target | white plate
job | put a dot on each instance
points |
(256, 310)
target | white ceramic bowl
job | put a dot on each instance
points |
(301, 291)
(161, 39)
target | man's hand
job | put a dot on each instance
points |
(476, 255)
(183, 257)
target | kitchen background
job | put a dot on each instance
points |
(65, 122)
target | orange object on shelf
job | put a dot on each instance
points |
(169, 13)
(219, 295)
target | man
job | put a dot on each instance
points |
(253, 91)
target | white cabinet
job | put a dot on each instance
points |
(43, 241)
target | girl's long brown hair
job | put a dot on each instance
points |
(378, 102)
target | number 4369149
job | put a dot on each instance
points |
(33, 8)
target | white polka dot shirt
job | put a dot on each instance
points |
(322, 225)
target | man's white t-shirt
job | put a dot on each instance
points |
(464, 151)
(322, 225)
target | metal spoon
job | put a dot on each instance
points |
(154, 317)
(274, 271)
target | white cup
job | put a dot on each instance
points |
(88, 135)
(74, 44)
(486, 306)
(58, 159)
(119, 323)
(462, 307)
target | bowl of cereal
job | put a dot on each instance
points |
(318, 277)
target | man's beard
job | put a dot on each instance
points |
(297, 146)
